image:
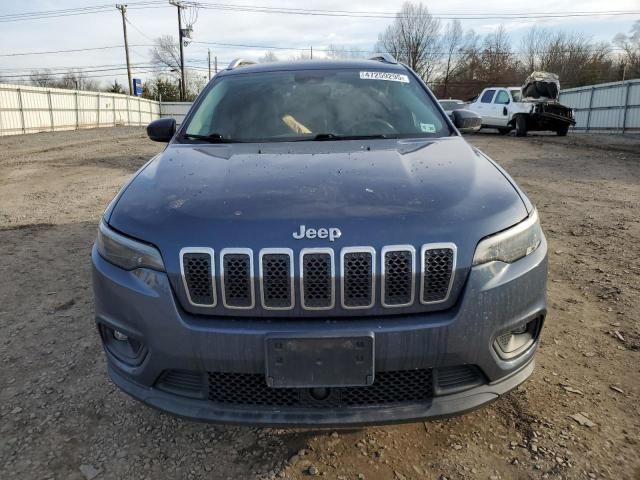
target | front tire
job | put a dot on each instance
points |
(562, 130)
(504, 131)
(521, 126)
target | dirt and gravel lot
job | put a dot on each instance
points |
(61, 418)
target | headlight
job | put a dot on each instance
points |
(125, 252)
(512, 244)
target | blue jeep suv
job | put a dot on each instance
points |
(319, 245)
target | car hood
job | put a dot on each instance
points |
(381, 192)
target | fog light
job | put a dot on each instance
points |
(125, 348)
(121, 337)
(510, 344)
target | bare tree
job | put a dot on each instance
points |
(75, 79)
(497, 64)
(42, 78)
(572, 56)
(166, 52)
(337, 52)
(630, 46)
(458, 48)
(268, 57)
(301, 55)
(531, 45)
(413, 38)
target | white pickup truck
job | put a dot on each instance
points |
(506, 109)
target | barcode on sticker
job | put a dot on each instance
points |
(391, 77)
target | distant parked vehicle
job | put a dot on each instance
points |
(450, 106)
(534, 107)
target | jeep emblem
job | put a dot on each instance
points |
(311, 233)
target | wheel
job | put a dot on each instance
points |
(521, 126)
(504, 131)
(562, 130)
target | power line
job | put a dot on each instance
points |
(310, 12)
(389, 15)
(75, 11)
(51, 52)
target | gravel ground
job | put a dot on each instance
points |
(60, 417)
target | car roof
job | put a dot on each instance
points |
(314, 65)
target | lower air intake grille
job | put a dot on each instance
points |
(236, 269)
(398, 277)
(389, 388)
(358, 279)
(317, 283)
(459, 376)
(182, 382)
(438, 273)
(276, 281)
(197, 276)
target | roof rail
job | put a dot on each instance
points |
(239, 62)
(383, 57)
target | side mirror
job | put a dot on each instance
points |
(467, 121)
(162, 130)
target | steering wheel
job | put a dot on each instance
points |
(371, 126)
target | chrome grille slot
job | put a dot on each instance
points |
(197, 268)
(358, 277)
(438, 268)
(236, 270)
(398, 278)
(276, 279)
(317, 279)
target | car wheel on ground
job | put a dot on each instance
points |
(521, 126)
(562, 130)
(504, 131)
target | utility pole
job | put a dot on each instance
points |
(209, 60)
(180, 6)
(311, 52)
(215, 63)
(123, 10)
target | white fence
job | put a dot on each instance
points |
(25, 109)
(608, 107)
(177, 110)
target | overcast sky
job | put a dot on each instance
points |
(105, 29)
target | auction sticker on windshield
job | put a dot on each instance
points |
(391, 77)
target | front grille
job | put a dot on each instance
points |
(237, 278)
(438, 268)
(398, 277)
(358, 270)
(276, 280)
(197, 267)
(389, 388)
(316, 279)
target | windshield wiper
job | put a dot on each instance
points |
(333, 136)
(211, 138)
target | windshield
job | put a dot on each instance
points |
(451, 104)
(516, 94)
(315, 105)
